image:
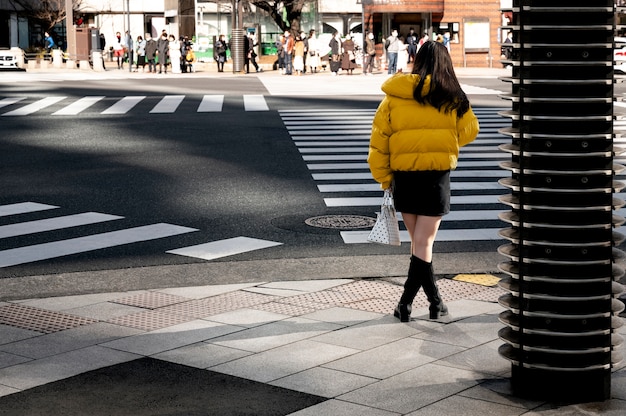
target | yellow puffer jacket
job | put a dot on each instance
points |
(409, 136)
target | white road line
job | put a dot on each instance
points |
(11, 100)
(334, 143)
(454, 174)
(472, 234)
(168, 104)
(211, 103)
(58, 223)
(124, 105)
(23, 208)
(60, 248)
(313, 158)
(34, 107)
(254, 102)
(375, 201)
(78, 106)
(224, 248)
(375, 187)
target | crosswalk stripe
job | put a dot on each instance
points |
(78, 106)
(211, 103)
(23, 208)
(375, 201)
(21, 255)
(168, 104)
(124, 105)
(223, 248)
(483, 234)
(254, 102)
(10, 101)
(335, 145)
(34, 107)
(58, 223)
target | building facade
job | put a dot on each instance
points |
(475, 27)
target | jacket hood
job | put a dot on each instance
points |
(402, 85)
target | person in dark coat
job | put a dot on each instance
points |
(335, 53)
(162, 51)
(151, 49)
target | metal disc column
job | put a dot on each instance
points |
(562, 272)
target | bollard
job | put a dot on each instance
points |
(57, 58)
(562, 309)
(96, 59)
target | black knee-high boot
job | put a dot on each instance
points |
(411, 287)
(437, 308)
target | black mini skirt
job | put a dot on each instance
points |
(422, 192)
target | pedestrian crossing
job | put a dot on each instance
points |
(168, 104)
(334, 144)
(95, 241)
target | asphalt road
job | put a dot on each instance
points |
(222, 174)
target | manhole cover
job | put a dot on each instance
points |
(344, 222)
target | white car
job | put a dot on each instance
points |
(10, 59)
(619, 55)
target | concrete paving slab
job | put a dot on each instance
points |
(201, 355)
(324, 382)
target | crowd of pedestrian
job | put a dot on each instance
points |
(296, 52)
(166, 51)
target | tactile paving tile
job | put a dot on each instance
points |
(284, 309)
(489, 295)
(330, 297)
(40, 320)
(150, 320)
(384, 306)
(151, 300)
(201, 308)
(479, 279)
(452, 290)
(370, 289)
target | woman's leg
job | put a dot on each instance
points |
(422, 230)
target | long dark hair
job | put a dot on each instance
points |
(445, 92)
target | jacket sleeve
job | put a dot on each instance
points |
(467, 128)
(378, 157)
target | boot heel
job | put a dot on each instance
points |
(438, 310)
(403, 312)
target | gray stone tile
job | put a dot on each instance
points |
(461, 309)
(283, 361)
(5, 390)
(274, 291)
(201, 355)
(340, 408)
(172, 337)
(7, 360)
(498, 390)
(9, 334)
(307, 285)
(457, 405)
(467, 333)
(68, 340)
(394, 358)
(324, 382)
(369, 334)
(247, 318)
(62, 303)
(618, 385)
(104, 311)
(414, 389)
(276, 334)
(607, 408)
(343, 316)
(49, 369)
(483, 358)
(201, 292)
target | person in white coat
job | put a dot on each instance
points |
(174, 51)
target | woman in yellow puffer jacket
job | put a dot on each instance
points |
(417, 131)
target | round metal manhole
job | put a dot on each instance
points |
(341, 222)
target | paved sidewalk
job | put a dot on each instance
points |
(311, 347)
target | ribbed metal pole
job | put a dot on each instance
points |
(562, 310)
